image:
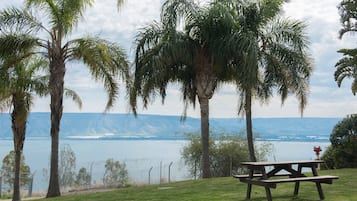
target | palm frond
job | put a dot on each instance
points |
(288, 32)
(346, 67)
(16, 47)
(105, 60)
(74, 96)
(120, 3)
(161, 57)
(15, 20)
(64, 15)
(174, 12)
(347, 11)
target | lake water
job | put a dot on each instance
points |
(139, 155)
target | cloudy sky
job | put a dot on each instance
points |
(325, 98)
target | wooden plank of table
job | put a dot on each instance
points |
(267, 163)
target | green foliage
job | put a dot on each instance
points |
(67, 166)
(348, 12)
(115, 174)
(226, 153)
(8, 170)
(343, 149)
(83, 177)
(346, 66)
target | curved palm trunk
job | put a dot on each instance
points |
(57, 71)
(18, 119)
(204, 107)
(249, 127)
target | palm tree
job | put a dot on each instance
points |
(17, 90)
(346, 67)
(273, 55)
(187, 47)
(106, 60)
(19, 84)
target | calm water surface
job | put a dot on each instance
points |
(139, 156)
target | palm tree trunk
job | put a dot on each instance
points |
(248, 119)
(57, 71)
(204, 106)
(18, 120)
(16, 192)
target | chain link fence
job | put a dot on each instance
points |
(140, 172)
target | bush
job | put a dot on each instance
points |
(8, 171)
(83, 177)
(115, 173)
(343, 149)
(226, 154)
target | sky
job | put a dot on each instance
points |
(106, 21)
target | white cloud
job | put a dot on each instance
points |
(325, 100)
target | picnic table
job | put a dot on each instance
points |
(262, 173)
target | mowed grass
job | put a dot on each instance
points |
(220, 189)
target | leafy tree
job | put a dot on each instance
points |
(343, 149)
(226, 154)
(188, 47)
(83, 177)
(8, 170)
(115, 174)
(106, 60)
(67, 166)
(273, 55)
(346, 67)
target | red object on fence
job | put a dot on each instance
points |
(317, 150)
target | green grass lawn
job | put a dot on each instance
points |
(343, 189)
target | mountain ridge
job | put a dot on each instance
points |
(148, 126)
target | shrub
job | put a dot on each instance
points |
(226, 154)
(343, 149)
(115, 173)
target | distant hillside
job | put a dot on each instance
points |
(126, 126)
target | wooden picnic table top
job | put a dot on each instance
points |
(275, 163)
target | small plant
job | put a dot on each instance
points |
(115, 173)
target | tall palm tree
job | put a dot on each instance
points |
(187, 48)
(20, 82)
(273, 56)
(106, 60)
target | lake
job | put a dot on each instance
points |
(139, 155)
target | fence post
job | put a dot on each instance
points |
(0, 186)
(30, 187)
(170, 171)
(195, 170)
(160, 171)
(150, 173)
(231, 166)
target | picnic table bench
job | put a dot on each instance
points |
(259, 175)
